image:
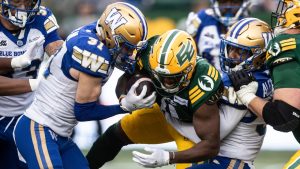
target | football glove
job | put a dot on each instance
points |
(133, 102)
(25, 59)
(156, 158)
(244, 85)
(192, 23)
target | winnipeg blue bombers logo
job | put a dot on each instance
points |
(115, 19)
(206, 83)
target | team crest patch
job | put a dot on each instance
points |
(275, 49)
(206, 83)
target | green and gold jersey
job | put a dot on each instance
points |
(283, 59)
(205, 87)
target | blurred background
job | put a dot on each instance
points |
(162, 15)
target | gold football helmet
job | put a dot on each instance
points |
(172, 60)
(123, 29)
(244, 45)
(286, 16)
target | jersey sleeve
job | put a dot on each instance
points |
(206, 88)
(282, 49)
(48, 25)
(89, 55)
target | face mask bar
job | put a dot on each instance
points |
(247, 55)
(125, 53)
(22, 17)
(230, 17)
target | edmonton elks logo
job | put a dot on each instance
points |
(206, 83)
(186, 52)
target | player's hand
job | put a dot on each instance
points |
(133, 102)
(25, 59)
(245, 86)
(156, 158)
(232, 97)
(192, 23)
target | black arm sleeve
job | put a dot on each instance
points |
(281, 116)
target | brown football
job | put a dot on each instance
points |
(142, 80)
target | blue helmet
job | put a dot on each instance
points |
(19, 13)
(230, 11)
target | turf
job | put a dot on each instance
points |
(265, 160)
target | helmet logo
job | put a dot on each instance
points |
(115, 19)
(207, 84)
(186, 52)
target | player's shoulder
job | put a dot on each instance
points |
(281, 49)
(205, 83)
(45, 20)
(206, 14)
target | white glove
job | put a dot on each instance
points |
(247, 92)
(157, 158)
(34, 83)
(133, 102)
(25, 59)
(192, 23)
(232, 97)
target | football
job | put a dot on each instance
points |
(142, 80)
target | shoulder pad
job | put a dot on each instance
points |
(46, 18)
(90, 56)
(205, 85)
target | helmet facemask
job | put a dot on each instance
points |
(249, 58)
(229, 14)
(171, 83)
(18, 15)
(286, 16)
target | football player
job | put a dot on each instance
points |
(209, 25)
(241, 132)
(149, 126)
(282, 58)
(27, 31)
(71, 86)
(188, 91)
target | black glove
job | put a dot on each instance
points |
(240, 78)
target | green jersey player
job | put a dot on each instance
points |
(188, 89)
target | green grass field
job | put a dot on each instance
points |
(265, 160)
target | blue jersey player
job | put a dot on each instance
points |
(209, 25)
(241, 132)
(27, 31)
(71, 86)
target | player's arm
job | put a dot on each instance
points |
(10, 86)
(281, 115)
(5, 65)
(206, 122)
(52, 47)
(87, 106)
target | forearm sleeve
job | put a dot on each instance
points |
(94, 111)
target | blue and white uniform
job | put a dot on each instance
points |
(208, 36)
(44, 25)
(241, 131)
(43, 134)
